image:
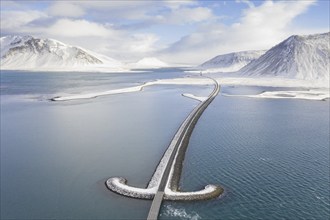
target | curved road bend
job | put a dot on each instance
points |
(181, 144)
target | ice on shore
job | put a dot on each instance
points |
(179, 81)
(317, 90)
(317, 95)
(271, 82)
(198, 98)
(97, 94)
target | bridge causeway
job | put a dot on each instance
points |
(181, 144)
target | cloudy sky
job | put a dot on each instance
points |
(174, 31)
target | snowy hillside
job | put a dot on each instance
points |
(29, 53)
(149, 62)
(232, 62)
(301, 57)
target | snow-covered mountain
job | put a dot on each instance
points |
(149, 62)
(301, 57)
(29, 53)
(232, 61)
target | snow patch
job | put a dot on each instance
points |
(198, 98)
(317, 95)
(149, 62)
(233, 81)
(180, 81)
(231, 62)
(97, 94)
(271, 82)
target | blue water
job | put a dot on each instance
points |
(271, 156)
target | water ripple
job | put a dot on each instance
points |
(272, 157)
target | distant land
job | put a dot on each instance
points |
(298, 57)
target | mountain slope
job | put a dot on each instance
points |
(301, 57)
(29, 53)
(233, 61)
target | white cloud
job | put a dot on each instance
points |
(177, 4)
(131, 10)
(119, 44)
(77, 28)
(10, 4)
(260, 27)
(105, 5)
(66, 9)
(130, 30)
(274, 15)
(147, 12)
(99, 37)
(249, 3)
(38, 23)
(16, 5)
(188, 15)
(122, 45)
(142, 43)
(12, 21)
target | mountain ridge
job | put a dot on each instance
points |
(232, 62)
(299, 56)
(27, 52)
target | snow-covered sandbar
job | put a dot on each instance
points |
(315, 90)
(198, 98)
(318, 95)
(178, 81)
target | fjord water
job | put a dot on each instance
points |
(56, 156)
(47, 84)
(271, 156)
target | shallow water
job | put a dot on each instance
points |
(271, 156)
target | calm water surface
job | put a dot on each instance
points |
(271, 156)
